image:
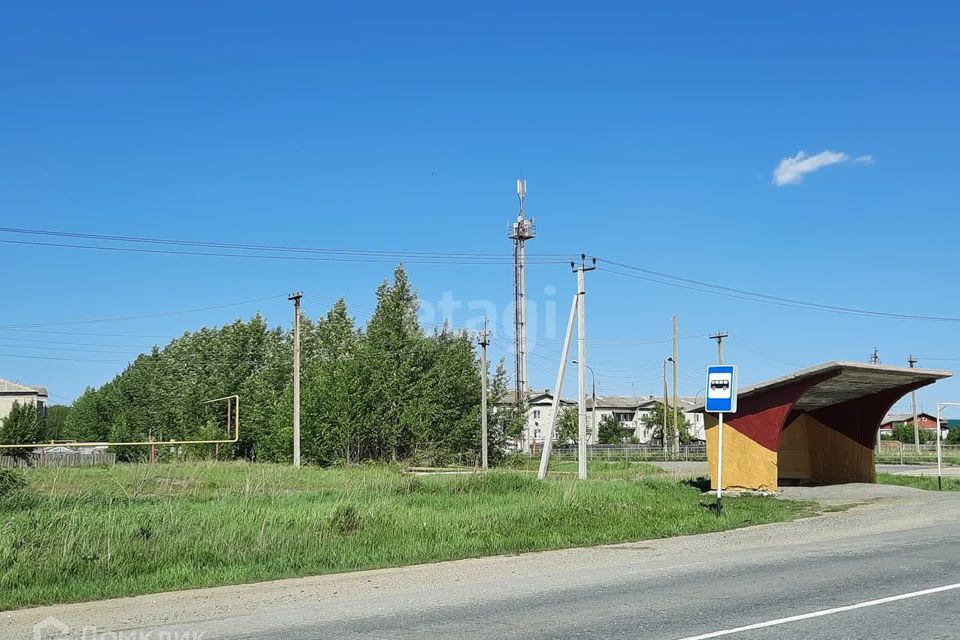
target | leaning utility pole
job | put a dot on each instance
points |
(582, 362)
(483, 339)
(913, 401)
(719, 336)
(520, 231)
(555, 404)
(675, 443)
(296, 376)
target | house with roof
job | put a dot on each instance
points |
(11, 392)
(629, 412)
(925, 421)
(539, 415)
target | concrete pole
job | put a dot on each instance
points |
(913, 401)
(483, 396)
(676, 395)
(666, 409)
(296, 377)
(558, 388)
(581, 378)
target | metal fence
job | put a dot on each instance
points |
(60, 460)
(887, 452)
(632, 452)
(892, 452)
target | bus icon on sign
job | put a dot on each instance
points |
(719, 384)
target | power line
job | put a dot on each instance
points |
(137, 317)
(71, 344)
(59, 349)
(275, 252)
(84, 333)
(660, 277)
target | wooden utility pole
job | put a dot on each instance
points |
(913, 401)
(719, 336)
(483, 340)
(666, 409)
(295, 297)
(676, 394)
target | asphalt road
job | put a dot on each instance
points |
(667, 589)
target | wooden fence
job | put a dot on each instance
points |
(60, 460)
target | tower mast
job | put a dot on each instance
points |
(520, 231)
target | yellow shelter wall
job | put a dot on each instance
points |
(810, 451)
(746, 464)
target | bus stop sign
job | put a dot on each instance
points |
(721, 389)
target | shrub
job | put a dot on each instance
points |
(11, 481)
(345, 519)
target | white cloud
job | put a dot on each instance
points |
(791, 170)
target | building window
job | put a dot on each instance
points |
(622, 417)
(536, 414)
(42, 408)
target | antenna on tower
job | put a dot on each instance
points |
(521, 231)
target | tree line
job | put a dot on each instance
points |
(386, 391)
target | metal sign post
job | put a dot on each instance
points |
(721, 398)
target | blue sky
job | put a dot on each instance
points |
(648, 135)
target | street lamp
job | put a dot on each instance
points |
(696, 398)
(593, 418)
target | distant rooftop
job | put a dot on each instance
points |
(638, 402)
(9, 386)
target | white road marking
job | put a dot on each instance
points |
(824, 612)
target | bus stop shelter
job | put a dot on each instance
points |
(816, 426)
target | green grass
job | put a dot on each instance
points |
(89, 533)
(919, 482)
(597, 469)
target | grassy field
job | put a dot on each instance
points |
(919, 482)
(89, 533)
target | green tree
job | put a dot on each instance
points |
(382, 392)
(568, 426)
(903, 432)
(953, 436)
(392, 362)
(57, 421)
(609, 431)
(653, 424)
(22, 425)
(505, 420)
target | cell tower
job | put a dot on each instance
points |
(520, 231)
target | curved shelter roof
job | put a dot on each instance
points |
(817, 424)
(840, 381)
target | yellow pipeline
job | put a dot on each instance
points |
(45, 445)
